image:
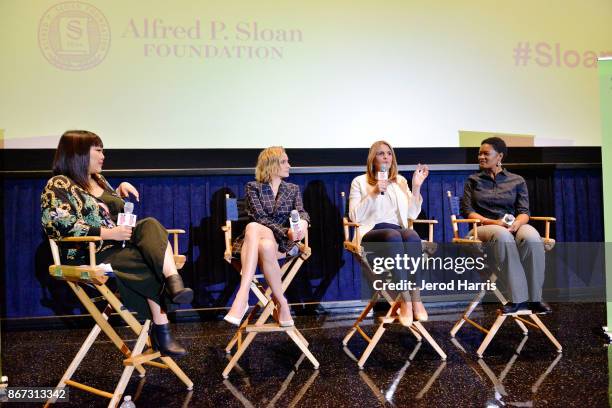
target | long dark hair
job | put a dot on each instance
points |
(72, 155)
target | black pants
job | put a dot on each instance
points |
(389, 240)
(138, 266)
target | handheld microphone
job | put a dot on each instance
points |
(294, 221)
(508, 219)
(382, 175)
(126, 218)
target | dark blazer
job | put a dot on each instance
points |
(273, 212)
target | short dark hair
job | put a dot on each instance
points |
(498, 144)
(72, 155)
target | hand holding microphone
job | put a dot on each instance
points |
(382, 178)
(127, 219)
(295, 232)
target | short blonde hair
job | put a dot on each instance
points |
(370, 171)
(268, 163)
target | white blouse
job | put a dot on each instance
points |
(396, 205)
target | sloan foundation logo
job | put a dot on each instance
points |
(74, 36)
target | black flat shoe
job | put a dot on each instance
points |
(540, 307)
(178, 292)
(164, 342)
(515, 308)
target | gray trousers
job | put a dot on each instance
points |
(520, 259)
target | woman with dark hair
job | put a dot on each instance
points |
(78, 201)
(268, 238)
(382, 208)
(499, 199)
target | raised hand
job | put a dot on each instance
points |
(125, 189)
(419, 175)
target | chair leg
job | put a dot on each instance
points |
(178, 372)
(382, 327)
(288, 271)
(466, 314)
(239, 351)
(362, 316)
(78, 358)
(371, 345)
(503, 301)
(265, 314)
(240, 331)
(430, 339)
(492, 332)
(302, 338)
(415, 333)
(547, 332)
(129, 369)
(297, 340)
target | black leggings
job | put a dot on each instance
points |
(390, 240)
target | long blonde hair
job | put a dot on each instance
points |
(371, 171)
(268, 163)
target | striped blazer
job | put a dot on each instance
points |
(273, 212)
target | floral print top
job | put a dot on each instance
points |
(70, 211)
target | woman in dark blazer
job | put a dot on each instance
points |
(268, 238)
(78, 201)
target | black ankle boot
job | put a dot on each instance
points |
(178, 292)
(164, 342)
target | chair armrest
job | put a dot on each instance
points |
(550, 219)
(304, 247)
(175, 246)
(91, 240)
(475, 222)
(424, 221)
(547, 221)
(82, 273)
(430, 224)
(79, 239)
(349, 224)
(466, 241)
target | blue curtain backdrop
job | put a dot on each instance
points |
(196, 204)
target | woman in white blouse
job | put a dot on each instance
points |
(382, 207)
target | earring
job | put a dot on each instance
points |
(498, 164)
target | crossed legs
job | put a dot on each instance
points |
(399, 240)
(260, 247)
(169, 269)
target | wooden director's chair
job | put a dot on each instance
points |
(96, 276)
(251, 326)
(476, 246)
(417, 329)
